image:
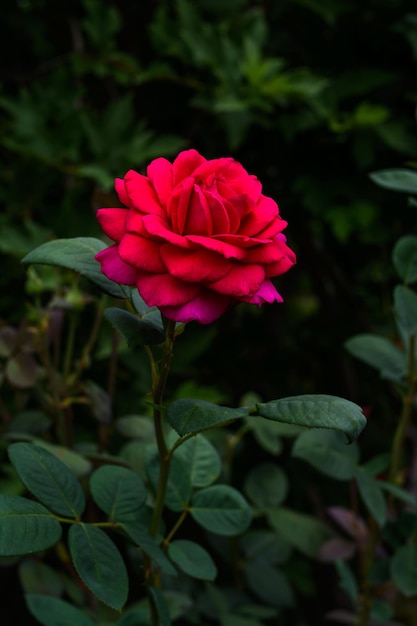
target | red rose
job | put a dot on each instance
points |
(197, 236)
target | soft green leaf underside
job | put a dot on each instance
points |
(136, 332)
(312, 411)
(51, 611)
(76, 254)
(316, 411)
(191, 416)
(192, 559)
(404, 257)
(398, 179)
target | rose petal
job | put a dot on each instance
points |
(211, 243)
(119, 185)
(265, 294)
(112, 222)
(165, 290)
(242, 241)
(158, 228)
(194, 266)
(199, 220)
(141, 194)
(178, 205)
(185, 164)
(160, 174)
(241, 281)
(143, 254)
(262, 215)
(269, 253)
(224, 214)
(282, 266)
(115, 268)
(205, 308)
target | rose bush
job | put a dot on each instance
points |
(197, 236)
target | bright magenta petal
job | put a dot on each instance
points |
(267, 253)
(199, 219)
(242, 280)
(165, 290)
(262, 215)
(205, 309)
(115, 268)
(194, 266)
(158, 228)
(143, 254)
(119, 185)
(179, 204)
(185, 165)
(141, 194)
(265, 294)
(211, 243)
(160, 175)
(112, 222)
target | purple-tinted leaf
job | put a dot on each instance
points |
(22, 370)
(336, 548)
(350, 522)
(8, 340)
(100, 402)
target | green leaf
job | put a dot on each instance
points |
(302, 531)
(404, 257)
(26, 526)
(371, 494)
(192, 559)
(135, 617)
(264, 544)
(396, 179)
(48, 479)
(316, 411)
(76, 254)
(266, 485)
(404, 569)
(405, 309)
(399, 493)
(99, 564)
(193, 416)
(161, 606)
(179, 486)
(118, 491)
(136, 427)
(136, 332)
(327, 452)
(140, 536)
(201, 459)
(269, 584)
(380, 353)
(221, 509)
(76, 462)
(51, 611)
(37, 577)
(269, 434)
(347, 579)
(30, 422)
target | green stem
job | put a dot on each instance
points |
(393, 477)
(72, 326)
(407, 409)
(175, 528)
(159, 379)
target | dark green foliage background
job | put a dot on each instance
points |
(310, 95)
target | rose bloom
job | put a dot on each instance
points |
(197, 236)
